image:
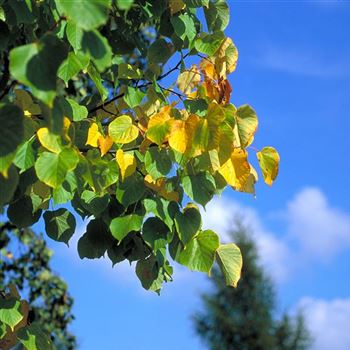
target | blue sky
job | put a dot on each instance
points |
(294, 69)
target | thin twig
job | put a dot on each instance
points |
(139, 87)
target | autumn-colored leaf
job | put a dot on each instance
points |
(126, 163)
(93, 135)
(269, 163)
(104, 143)
(236, 170)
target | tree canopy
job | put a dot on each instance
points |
(120, 112)
(245, 318)
(25, 263)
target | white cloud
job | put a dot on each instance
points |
(302, 62)
(314, 230)
(328, 322)
(220, 215)
(321, 230)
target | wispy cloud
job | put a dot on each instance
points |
(304, 62)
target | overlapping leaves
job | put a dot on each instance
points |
(130, 163)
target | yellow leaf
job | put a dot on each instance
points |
(126, 163)
(50, 141)
(182, 132)
(236, 170)
(207, 67)
(176, 6)
(269, 163)
(188, 79)
(93, 135)
(105, 144)
(246, 126)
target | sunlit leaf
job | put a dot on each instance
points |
(122, 130)
(229, 258)
(269, 163)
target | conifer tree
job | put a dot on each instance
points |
(243, 318)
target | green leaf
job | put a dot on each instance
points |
(25, 156)
(199, 254)
(59, 224)
(74, 35)
(217, 15)
(87, 14)
(149, 274)
(96, 78)
(52, 168)
(94, 203)
(123, 130)
(184, 26)
(160, 51)
(163, 209)
(6, 162)
(96, 45)
(121, 226)
(229, 258)
(269, 163)
(155, 233)
(65, 192)
(133, 96)
(75, 111)
(127, 71)
(24, 13)
(22, 214)
(124, 4)
(157, 162)
(10, 312)
(36, 65)
(209, 43)
(188, 223)
(33, 338)
(95, 241)
(8, 186)
(11, 131)
(199, 187)
(197, 106)
(72, 65)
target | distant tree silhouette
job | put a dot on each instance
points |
(243, 318)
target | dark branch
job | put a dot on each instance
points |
(139, 87)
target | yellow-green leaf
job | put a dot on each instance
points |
(229, 258)
(159, 126)
(188, 79)
(269, 163)
(246, 125)
(49, 140)
(122, 130)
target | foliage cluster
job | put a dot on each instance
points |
(25, 263)
(87, 122)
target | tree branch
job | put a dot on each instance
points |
(139, 87)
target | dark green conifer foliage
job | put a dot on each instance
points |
(244, 318)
